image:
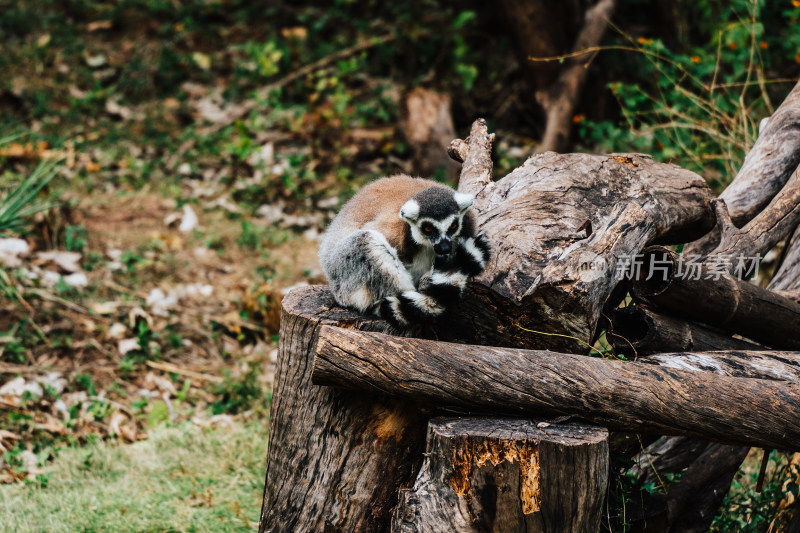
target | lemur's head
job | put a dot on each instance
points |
(436, 217)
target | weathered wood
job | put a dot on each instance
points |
(336, 458)
(777, 221)
(506, 476)
(766, 169)
(558, 226)
(774, 365)
(718, 299)
(638, 330)
(616, 394)
(666, 455)
(769, 164)
(691, 503)
(428, 127)
(786, 280)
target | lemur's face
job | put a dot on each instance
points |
(435, 217)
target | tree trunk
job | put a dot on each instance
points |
(506, 476)
(336, 458)
(428, 127)
(560, 100)
(620, 395)
(726, 302)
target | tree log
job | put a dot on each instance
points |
(724, 301)
(506, 476)
(639, 331)
(620, 395)
(336, 458)
(769, 164)
(667, 455)
(786, 280)
(774, 365)
(558, 226)
(766, 169)
(691, 503)
(777, 221)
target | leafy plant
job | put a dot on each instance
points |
(21, 202)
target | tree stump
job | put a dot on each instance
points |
(507, 476)
(336, 458)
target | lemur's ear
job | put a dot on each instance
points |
(410, 211)
(463, 200)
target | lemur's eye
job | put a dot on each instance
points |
(427, 229)
(453, 226)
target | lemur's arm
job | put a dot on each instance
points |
(449, 277)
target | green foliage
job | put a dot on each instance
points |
(237, 393)
(75, 238)
(699, 107)
(20, 199)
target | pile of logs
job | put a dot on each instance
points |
(494, 418)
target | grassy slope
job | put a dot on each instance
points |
(181, 479)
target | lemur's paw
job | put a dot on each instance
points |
(473, 255)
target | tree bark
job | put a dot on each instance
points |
(726, 302)
(428, 127)
(769, 164)
(336, 458)
(620, 395)
(558, 226)
(507, 475)
(777, 221)
(766, 170)
(640, 331)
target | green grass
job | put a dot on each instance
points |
(181, 479)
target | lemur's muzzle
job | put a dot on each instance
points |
(443, 247)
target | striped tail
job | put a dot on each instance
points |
(438, 293)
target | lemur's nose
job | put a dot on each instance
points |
(442, 247)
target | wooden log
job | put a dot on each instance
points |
(691, 503)
(786, 280)
(769, 164)
(620, 395)
(718, 299)
(774, 365)
(667, 455)
(336, 458)
(558, 226)
(765, 171)
(777, 221)
(505, 476)
(639, 330)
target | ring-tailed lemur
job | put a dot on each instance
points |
(403, 248)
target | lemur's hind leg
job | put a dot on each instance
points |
(366, 270)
